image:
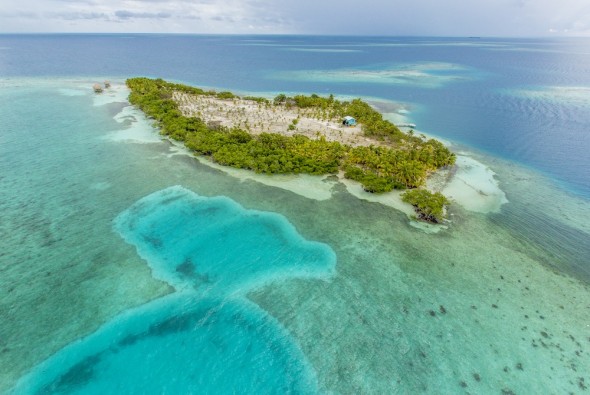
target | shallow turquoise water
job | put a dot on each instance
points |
(205, 338)
(181, 344)
(215, 247)
(96, 272)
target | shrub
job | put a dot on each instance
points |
(429, 206)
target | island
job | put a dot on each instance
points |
(299, 134)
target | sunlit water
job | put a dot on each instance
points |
(126, 266)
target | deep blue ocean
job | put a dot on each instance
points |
(129, 266)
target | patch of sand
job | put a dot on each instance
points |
(470, 184)
(259, 118)
(306, 185)
(135, 128)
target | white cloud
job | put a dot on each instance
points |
(385, 17)
(124, 14)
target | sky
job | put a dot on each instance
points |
(499, 18)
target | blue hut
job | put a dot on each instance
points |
(349, 121)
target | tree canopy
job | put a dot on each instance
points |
(429, 206)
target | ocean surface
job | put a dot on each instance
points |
(129, 266)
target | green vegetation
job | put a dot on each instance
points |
(260, 100)
(280, 99)
(269, 153)
(226, 95)
(404, 163)
(429, 206)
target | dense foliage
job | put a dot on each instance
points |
(429, 206)
(405, 163)
(268, 152)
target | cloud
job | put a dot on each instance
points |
(19, 14)
(348, 17)
(124, 14)
(71, 16)
(74, 2)
(223, 18)
(446, 18)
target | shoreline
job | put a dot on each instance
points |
(298, 135)
(320, 187)
(469, 183)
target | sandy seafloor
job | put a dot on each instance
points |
(496, 302)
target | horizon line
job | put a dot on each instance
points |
(473, 37)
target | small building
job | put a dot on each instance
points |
(349, 121)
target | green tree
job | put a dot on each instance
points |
(429, 206)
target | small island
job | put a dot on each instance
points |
(299, 134)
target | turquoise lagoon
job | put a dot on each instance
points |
(129, 266)
(209, 253)
(205, 337)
